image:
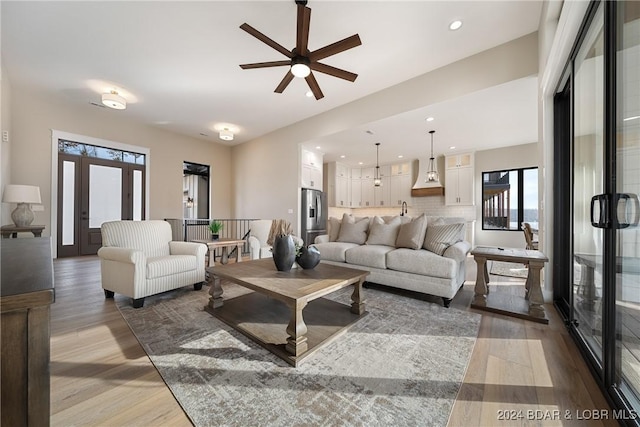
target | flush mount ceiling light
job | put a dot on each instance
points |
(432, 173)
(377, 182)
(226, 134)
(113, 100)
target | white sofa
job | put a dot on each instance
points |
(259, 234)
(410, 266)
(138, 259)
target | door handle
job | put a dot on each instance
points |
(630, 200)
(603, 203)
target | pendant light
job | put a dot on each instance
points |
(432, 173)
(377, 182)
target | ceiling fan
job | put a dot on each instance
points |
(301, 61)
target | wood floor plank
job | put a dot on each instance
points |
(101, 376)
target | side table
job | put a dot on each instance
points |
(534, 260)
(13, 230)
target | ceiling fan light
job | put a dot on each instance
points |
(300, 70)
(113, 100)
(226, 135)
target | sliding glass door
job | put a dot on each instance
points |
(597, 168)
(627, 232)
(588, 178)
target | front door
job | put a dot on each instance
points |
(92, 191)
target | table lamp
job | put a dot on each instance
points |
(23, 195)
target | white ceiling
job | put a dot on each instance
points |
(177, 65)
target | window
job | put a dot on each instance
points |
(509, 198)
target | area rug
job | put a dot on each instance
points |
(403, 364)
(508, 269)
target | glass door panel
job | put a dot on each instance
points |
(105, 194)
(588, 166)
(628, 189)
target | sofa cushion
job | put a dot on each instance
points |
(369, 255)
(440, 237)
(384, 231)
(421, 262)
(411, 234)
(333, 251)
(334, 228)
(353, 232)
(167, 265)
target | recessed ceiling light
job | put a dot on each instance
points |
(429, 119)
(343, 156)
(309, 94)
(455, 25)
(400, 156)
(360, 163)
(317, 147)
(452, 148)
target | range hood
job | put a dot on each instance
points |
(434, 188)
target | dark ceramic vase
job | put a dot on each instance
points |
(308, 257)
(214, 236)
(284, 252)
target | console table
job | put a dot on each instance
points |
(533, 294)
(13, 230)
(25, 297)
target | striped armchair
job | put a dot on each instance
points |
(138, 259)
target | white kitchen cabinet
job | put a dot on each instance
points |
(356, 193)
(337, 184)
(459, 185)
(400, 183)
(367, 193)
(311, 170)
(382, 194)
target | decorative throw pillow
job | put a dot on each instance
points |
(384, 231)
(411, 234)
(334, 229)
(354, 232)
(440, 237)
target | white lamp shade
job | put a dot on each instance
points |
(21, 194)
(226, 135)
(113, 100)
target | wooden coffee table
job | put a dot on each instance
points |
(272, 315)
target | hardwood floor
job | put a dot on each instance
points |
(101, 376)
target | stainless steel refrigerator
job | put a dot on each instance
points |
(313, 215)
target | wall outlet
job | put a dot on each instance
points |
(5, 136)
(37, 208)
(290, 211)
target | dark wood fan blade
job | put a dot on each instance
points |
(333, 71)
(264, 64)
(302, 39)
(334, 48)
(313, 85)
(285, 82)
(266, 40)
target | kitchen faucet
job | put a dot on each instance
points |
(403, 209)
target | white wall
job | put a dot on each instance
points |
(265, 170)
(35, 114)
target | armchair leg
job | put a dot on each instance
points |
(446, 302)
(197, 286)
(108, 294)
(138, 303)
